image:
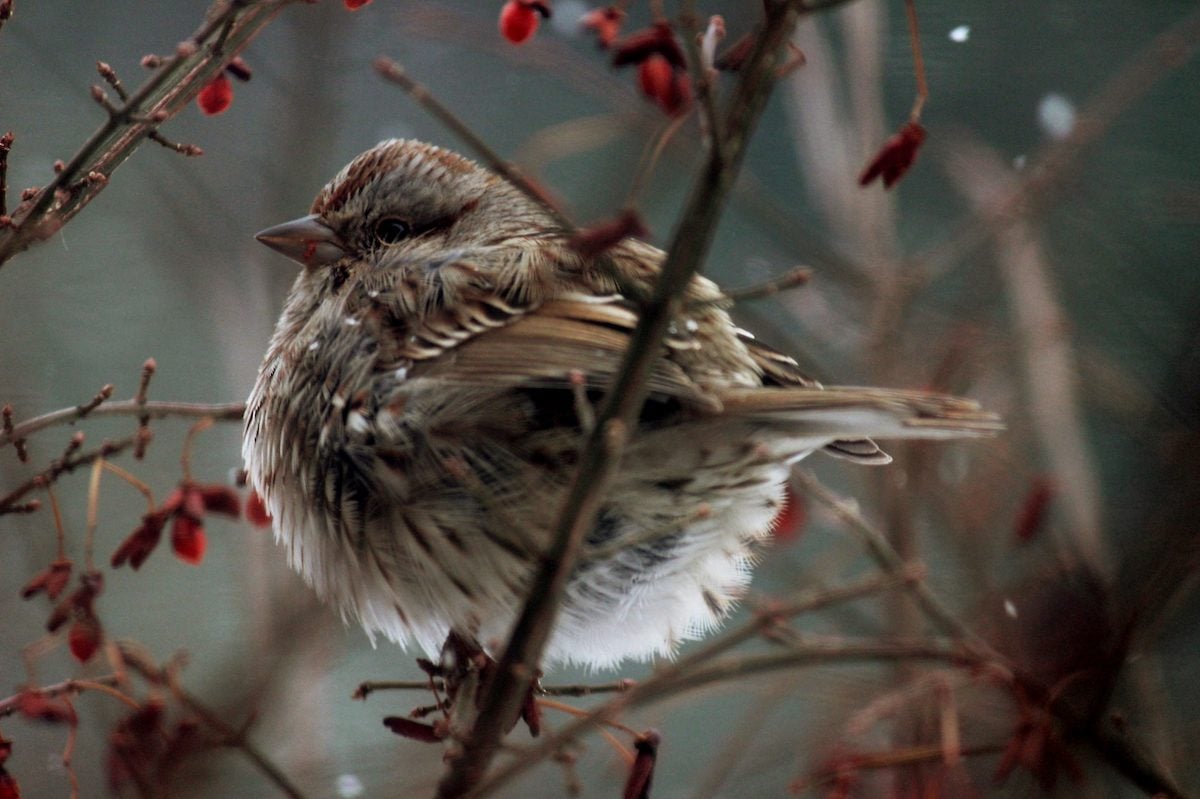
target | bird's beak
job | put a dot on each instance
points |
(307, 241)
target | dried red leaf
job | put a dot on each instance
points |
(9, 789)
(85, 637)
(135, 745)
(414, 730)
(679, 98)
(221, 499)
(641, 774)
(37, 706)
(655, 76)
(592, 241)
(188, 538)
(789, 522)
(531, 713)
(519, 19)
(51, 580)
(256, 511)
(896, 156)
(640, 45)
(79, 602)
(605, 23)
(141, 542)
(5, 749)
(1034, 509)
(355, 5)
(217, 96)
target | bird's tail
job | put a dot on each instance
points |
(851, 413)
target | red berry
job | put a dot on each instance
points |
(85, 637)
(256, 511)
(518, 21)
(355, 5)
(216, 96)
(188, 539)
(655, 75)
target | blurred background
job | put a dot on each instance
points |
(1042, 256)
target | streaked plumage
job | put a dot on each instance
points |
(414, 422)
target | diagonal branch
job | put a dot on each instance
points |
(622, 403)
(229, 27)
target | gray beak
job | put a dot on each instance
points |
(307, 241)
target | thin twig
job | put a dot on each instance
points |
(58, 468)
(914, 38)
(394, 73)
(890, 561)
(12, 704)
(791, 279)
(220, 412)
(622, 403)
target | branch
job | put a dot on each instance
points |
(221, 412)
(622, 403)
(657, 685)
(394, 73)
(229, 28)
(64, 465)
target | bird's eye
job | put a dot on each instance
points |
(391, 230)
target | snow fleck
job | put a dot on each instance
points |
(1010, 608)
(401, 373)
(349, 787)
(1056, 115)
(352, 321)
(1019, 162)
(567, 14)
(960, 34)
(314, 346)
(691, 325)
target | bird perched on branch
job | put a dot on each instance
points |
(424, 400)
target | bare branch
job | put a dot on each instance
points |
(229, 28)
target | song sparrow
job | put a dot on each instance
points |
(425, 394)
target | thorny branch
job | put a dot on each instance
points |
(601, 454)
(228, 28)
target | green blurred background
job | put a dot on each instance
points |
(1090, 346)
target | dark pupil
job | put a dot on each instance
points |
(390, 231)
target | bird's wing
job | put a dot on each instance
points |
(579, 339)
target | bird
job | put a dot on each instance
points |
(429, 385)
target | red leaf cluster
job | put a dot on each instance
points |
(86, 633)
(185, 507)
(895, 157)
(662, 69)
(519, 19)
(143, 750)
